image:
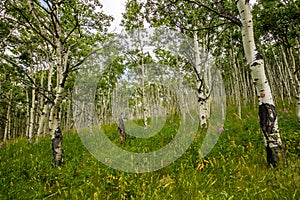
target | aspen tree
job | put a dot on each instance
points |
(267, 112)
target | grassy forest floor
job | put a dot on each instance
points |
(235, 169)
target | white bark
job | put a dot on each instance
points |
(54, 125)
(55, 120)
(236, 83)
(201, 85)
(69, 123)
(32, 112)
(144, 103)
(43, 122)
(27, 114)
(41, 100)
(298, 108)
(267, 113)
(8, 119)
(296, 83)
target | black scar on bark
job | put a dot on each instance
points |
(254, 64)
(247, 1)
(121, 130)
(258, 56)
(267, 117)
(57, 147)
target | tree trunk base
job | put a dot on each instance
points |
(275, 157)
(57, 147)
(268, 123)
(121, 131)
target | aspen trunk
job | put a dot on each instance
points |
(298, 107)
(236, 83)
(69, 123)
(27, 114)
(55, 113)
(267, 112)
(32, 112)
(42, 119)
(43, 123)
(41, 106)
(144, 103)
(8, 119)
(298, 86)
(55, 128)
(121, 130)
(201, 85)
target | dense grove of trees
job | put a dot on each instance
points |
(44, 43)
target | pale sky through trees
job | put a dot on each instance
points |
(114, 8)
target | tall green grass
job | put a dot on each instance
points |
(235, 169)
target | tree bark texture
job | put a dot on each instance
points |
(201, 87)
(121, 130)
(57, 150)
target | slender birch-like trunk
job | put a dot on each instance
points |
(54, 119)
(236, 83)
(32, 111)
(43, 125)
(43, 105)
(27, 114)
(69, 123)
(297, 85)
(201, 87)
(267, 112)
(8, 119)
(144, 102)
(121, 130)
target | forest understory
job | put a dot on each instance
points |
(236, 168)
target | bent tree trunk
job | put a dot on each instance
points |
(267, 112)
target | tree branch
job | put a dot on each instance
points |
(69, 34)
(32, 27)
(31, 83)
(75, 67)
(225, 15)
